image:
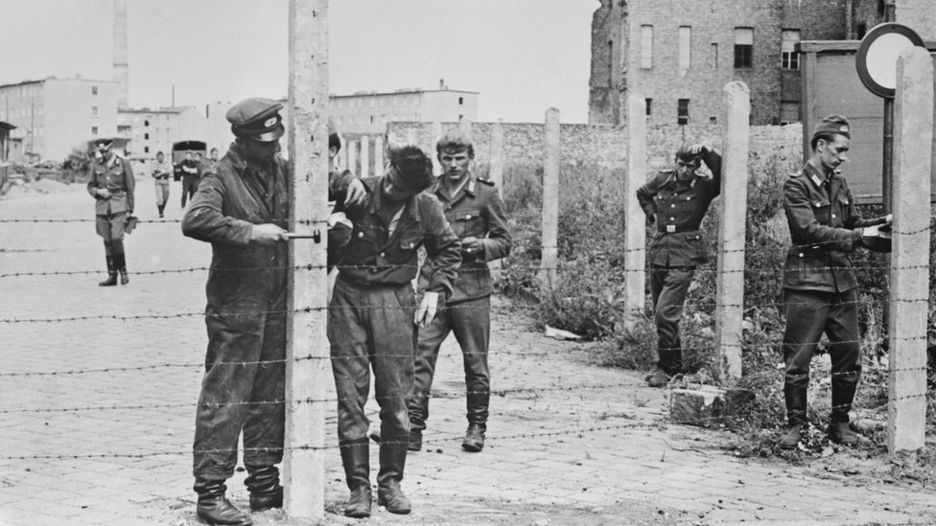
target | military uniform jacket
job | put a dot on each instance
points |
(821, 214)
(476, 210)
(679, 208)
(376, 256)
(231, 199)
(116, 175)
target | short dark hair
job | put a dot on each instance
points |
(454, 141)
(334, 141)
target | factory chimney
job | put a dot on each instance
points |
(121, 67)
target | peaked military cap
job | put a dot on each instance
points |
(103, 141)
(257, 118)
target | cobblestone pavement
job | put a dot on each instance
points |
(106, 439)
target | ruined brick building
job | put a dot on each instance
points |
(680, 53)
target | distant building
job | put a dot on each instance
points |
(54, 116)
(369, 112)
(152, 130)
(679, 54)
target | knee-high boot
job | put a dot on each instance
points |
(214, 508)
(355, 457)
(392, 462)
(111, 273)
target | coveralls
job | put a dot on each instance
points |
(476, 210)
(116, 175)
(370, 320)
(243, 387)
(820, 287)
(677, 248)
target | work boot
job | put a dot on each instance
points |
(415, 440)
(392, 462)
(658, 378)
(792, 437)
(355, 457)
(214, 508)
(265, 490)
(111, 274)
(841, 433)
(120, 261)
(474, 438)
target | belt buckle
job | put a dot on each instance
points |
(670, 229)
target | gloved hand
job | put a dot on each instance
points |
(877, 238)
(427, 309)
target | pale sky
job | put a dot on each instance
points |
(524, 56)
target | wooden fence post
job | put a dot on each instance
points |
(732, 221)
(307, 353)
(550, 237)
(909, 261)
(635, 230)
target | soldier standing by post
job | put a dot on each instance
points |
(373, 314)
(475, 210)
(819, 283)
(111, 183)
(676, 202)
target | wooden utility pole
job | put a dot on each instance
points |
(307, 354)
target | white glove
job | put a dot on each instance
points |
(427, 309)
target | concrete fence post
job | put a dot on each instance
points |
(365, 155)
(909, 261)
(307, 353)
(635, 230)
(729, 297)
(378, 155)
(550, 236)
(352, 157)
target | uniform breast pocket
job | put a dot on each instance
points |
(411, 241)
(822, 211)
(469, 223)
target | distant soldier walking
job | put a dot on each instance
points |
(191, 173)
(476, 213)
(111, 183)
(162, 171)
(676, 202)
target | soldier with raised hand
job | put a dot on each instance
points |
(474, 209)
(675, 201)
(373, 315)
(819, 282)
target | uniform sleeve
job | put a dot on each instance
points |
(442, 246)
(854, 218)
(646, 193)
(713, 160)
(204, 220)
(92, 181)
(497, 243)
(805, 228)
(129, 183)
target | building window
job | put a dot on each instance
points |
(649, 105)
(714, 55)
(743, 47)
(94, 111)
(145, 123)
(461, 101)
(646, 47)
(682, 111)
(146, 136)
(789, 58)
(94, 90)
(94, 130)
(789, 112)
(372, 119)
(146, 149)
(684, 48)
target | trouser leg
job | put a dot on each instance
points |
(471, 323)
(235, 339)
(350, 341)
(806, 314)
(264, 425)
(671, 286)
(845, 353)
(429, 340)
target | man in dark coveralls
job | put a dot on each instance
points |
(241, 208)
(111, 183)
(373, 316)
(819, 282)
(676, 202)
(475, 210)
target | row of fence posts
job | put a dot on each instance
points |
(308, 353)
